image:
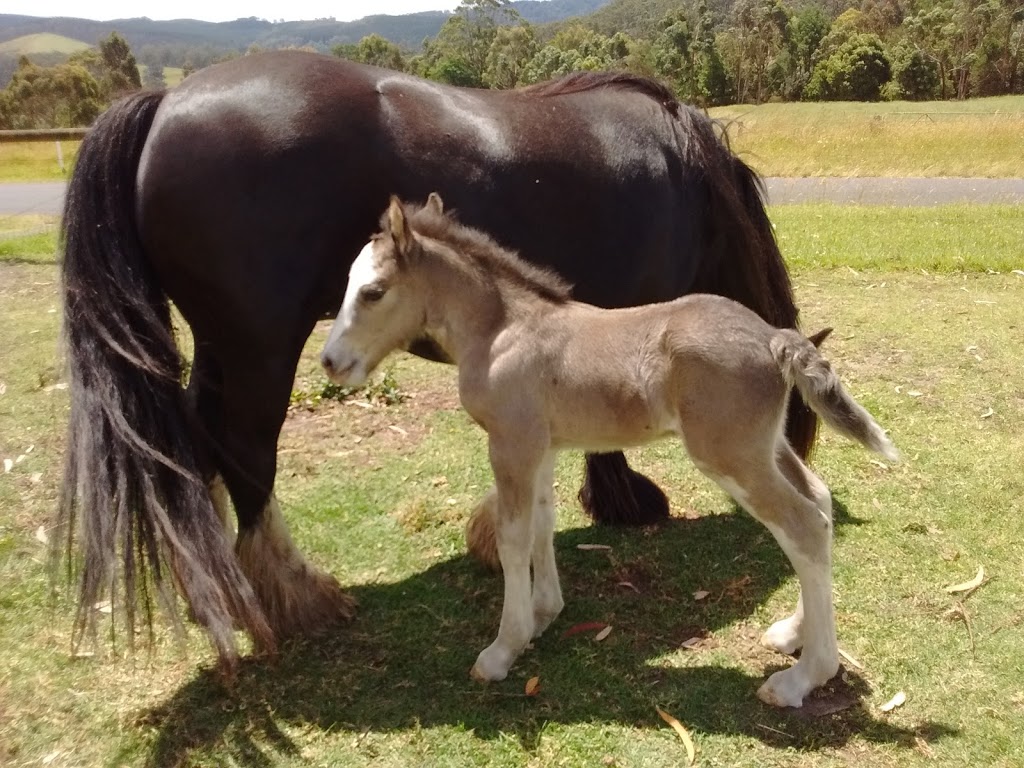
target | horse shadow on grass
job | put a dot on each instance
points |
(403, 663)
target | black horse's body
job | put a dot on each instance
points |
(243, 195)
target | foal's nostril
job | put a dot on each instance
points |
(327, 363)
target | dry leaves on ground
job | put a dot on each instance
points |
(691, 751)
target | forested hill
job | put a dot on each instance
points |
(408, 31)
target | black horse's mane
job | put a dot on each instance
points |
(487, 255)
(578, 82)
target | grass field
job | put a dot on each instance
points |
(844, 139)
(929, 341)
(44, 42)
(978, 137)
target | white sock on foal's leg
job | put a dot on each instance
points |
(786, 635)
(547, 592)
(819, 660)
(515, 544)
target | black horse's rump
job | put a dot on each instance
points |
(243, 194)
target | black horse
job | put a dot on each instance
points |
(242, 196)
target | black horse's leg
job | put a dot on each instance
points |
(297, 598)
(206, 409)
(613, 494)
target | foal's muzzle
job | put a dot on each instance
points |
(337, 372)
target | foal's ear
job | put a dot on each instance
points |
(399, 227)
(434, 204)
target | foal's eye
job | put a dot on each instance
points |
(371, 293)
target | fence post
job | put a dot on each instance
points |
(60, 157)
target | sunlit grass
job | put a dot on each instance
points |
(978, 138)
(36, 160)
(379, 495)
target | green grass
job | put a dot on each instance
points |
(835, 139)
(28, 238)
(44, 42)
(36, 161)
(946, 238)
(978, 137)
(937, 358)
(173, 76)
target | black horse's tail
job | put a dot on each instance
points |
(744, 262)
(132, 484)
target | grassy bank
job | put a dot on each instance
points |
(379, 494)
(978, 137)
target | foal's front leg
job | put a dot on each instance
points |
(547, 592)
(515, 476)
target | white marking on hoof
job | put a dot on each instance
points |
(542, 617)
(784, 636)
(788, 687)
(492, 664)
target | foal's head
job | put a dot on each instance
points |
(380, 312)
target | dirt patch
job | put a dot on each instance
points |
(361, 431)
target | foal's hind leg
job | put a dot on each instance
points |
(804, 532)
(786, 635)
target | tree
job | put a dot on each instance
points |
(856, 71)
(112, 65)
(66, 96)
(577, 49)
(373, 49)
(510, 52)
(458, 55)
(122, 70)
(804, 35)
(756, 39)
(713, 86)
(915, 76)
(673, 54)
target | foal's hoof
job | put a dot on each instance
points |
(491, 665)
(784, 636)
(788, 687)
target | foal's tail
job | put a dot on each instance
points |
(131, 479)
(804, 367)
(743, 261)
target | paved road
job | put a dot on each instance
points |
(876, 191)
(48, 197)
(39, 197)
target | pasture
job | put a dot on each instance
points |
(977, 137)
(836, 139)
(926, 306)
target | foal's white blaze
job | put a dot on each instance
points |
(343, 357)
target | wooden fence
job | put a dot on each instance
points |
(44, 134)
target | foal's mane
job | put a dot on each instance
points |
(486, 256)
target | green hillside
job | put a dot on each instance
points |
(43, 42)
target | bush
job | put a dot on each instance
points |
(915, 77)
(855, 71)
